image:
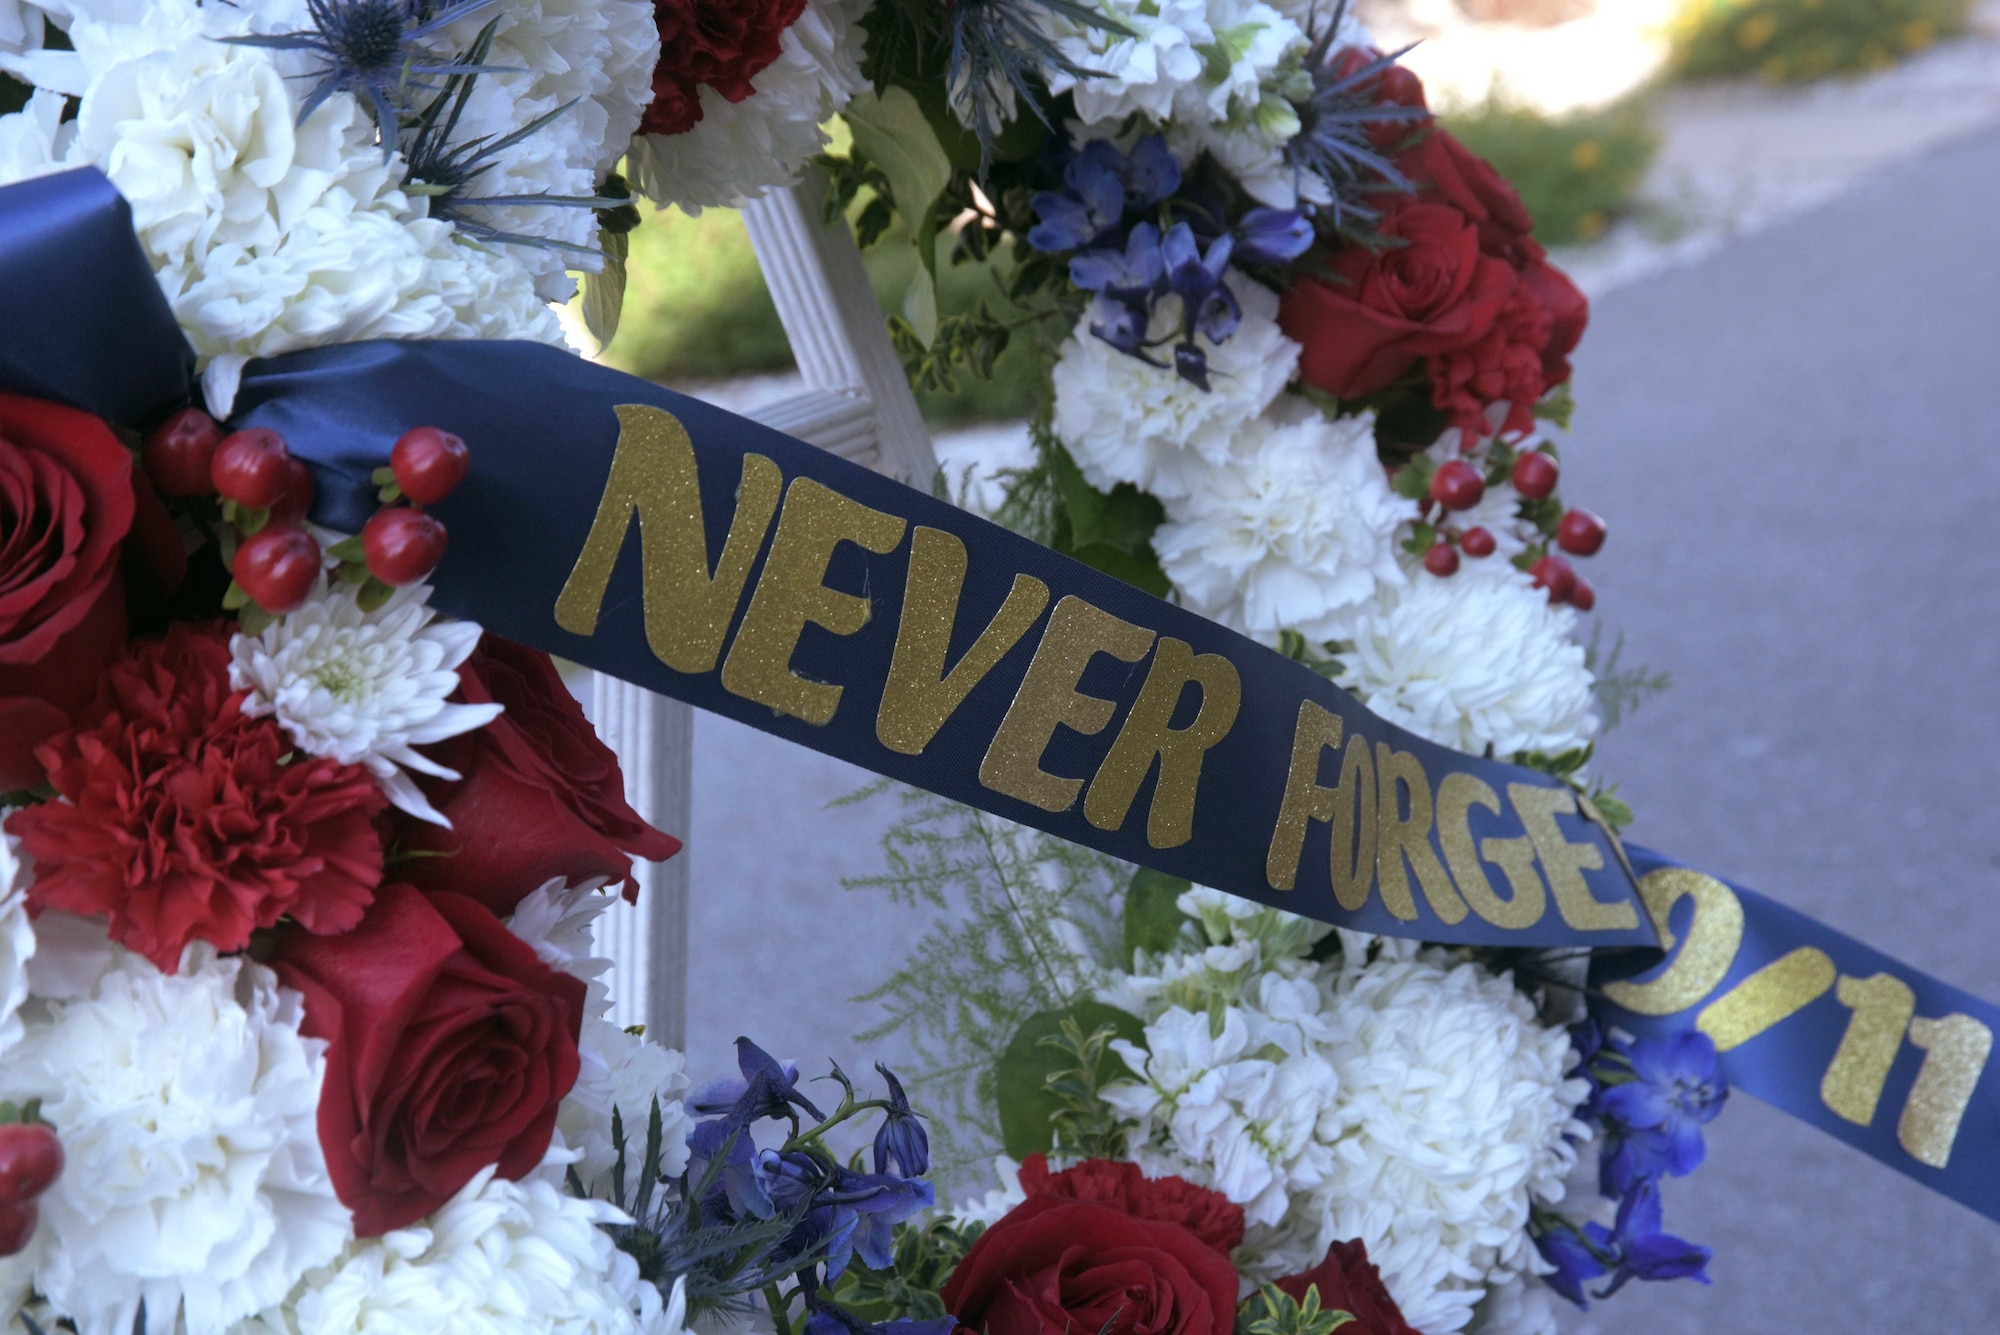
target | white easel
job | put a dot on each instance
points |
(856, 404)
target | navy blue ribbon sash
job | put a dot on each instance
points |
(703, 556)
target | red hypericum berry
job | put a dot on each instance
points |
(249, 467)
(180, 452)
(17, 1225)
(31, 1159)
(1535, 475)
(1581, 596)
(1457, 485)
(292, 508)
(1580, 533)
(1442, 560)
(1556, 575)
(402, 545)
(429, 464)
(277, 567)
(1477, 542)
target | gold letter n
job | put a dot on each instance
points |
(688, 610)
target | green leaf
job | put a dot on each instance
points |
(1413, 480)
(891, 131)
(1124, 518)
(1026, 1103)
(1153, 921)
(347, 549)
(604, 293)
(1558, 406)
(234, 597)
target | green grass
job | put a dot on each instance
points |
(1576, 173)
(696, 308)
(1788, 41)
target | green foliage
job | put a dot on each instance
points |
(1576, 173)
(1113, 531)
(695, 302)
(1153, 920)
(1023, 923)
(1272, 1311)
(1620, 689)
(923, 1260)
(1049, 1076)
(1791, 41)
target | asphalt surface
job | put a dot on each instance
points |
(1797, 446)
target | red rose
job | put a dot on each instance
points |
(1446, 171)
(449, 1046)
(541, 796)
(1436, 292)
(1209, 1215)
(719, 43)
(66, 504)
(1349, 1282)
(183, 821)
(1568, 311)
(1099, 1249)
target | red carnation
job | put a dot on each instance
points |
(718, 43)
(1349, 1282)
(185, 822)
(1101, 1249)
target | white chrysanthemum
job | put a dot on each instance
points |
(365, 688)
(593, 57)
(188, 1106)
(17, 936)
(266, 235)
(740, 150)
(618, 1070)
(988, 1209)
(1454, 1115)
(1175, 61)
(1123, 420)
(498, 1258)
(31, 139)
(1522, 1306)
(1475, 660)
(1297, 532)
(622, 1071)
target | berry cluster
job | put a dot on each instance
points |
(1457, 485)
(266, 495)
(31, 1159)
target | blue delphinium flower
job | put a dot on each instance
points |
(1273, 236)
(1565, 1249)
(901, 1141)
(1653, 1120)
(863, 1210)
(1641, 1250)
(767, 1088)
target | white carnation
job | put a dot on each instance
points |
(31, 138)
(1454, 1115)
(17, 936)
(1124, 420)
(266, 235)
(1296, 532)
(188, 1107)
(1176, 60)
(365, 688)
(1476, 660)
(593, 57)
(498, 1258)
(740, 150)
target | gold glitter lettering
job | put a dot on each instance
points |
(1882, 1007)
(1778, 991)
(1955, 1053)
(790, 593)
(1458, 792)
(1564, 862)
(920, 695)
(687, 609)
(1714, 937)
(1306, 799)
(1409, 837)
(1077, 632)
(1145, 734)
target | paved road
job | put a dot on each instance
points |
(1797, 444)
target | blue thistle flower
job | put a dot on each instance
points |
(373, 49)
